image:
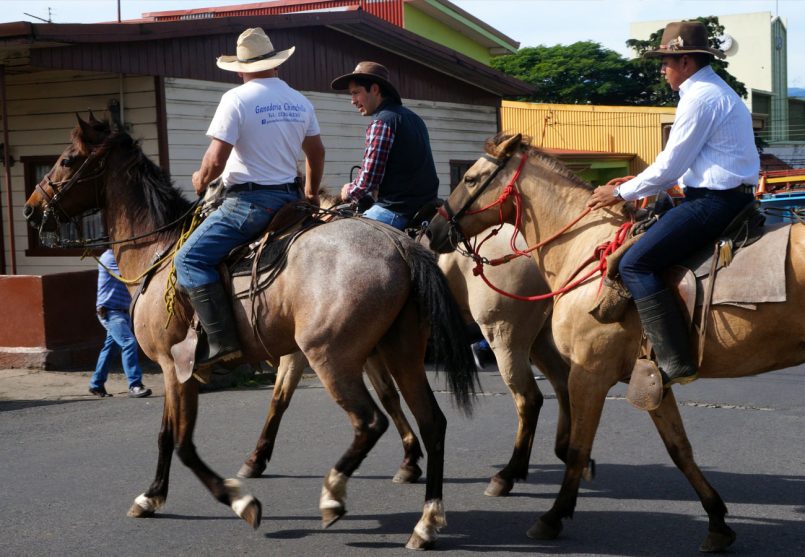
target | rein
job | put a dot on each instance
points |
(600, 253)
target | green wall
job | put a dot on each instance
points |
(422, 24)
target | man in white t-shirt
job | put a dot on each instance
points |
(258, 133)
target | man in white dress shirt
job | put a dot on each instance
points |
(711, 153)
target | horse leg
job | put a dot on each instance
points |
(146, 504)
(183, 410)
(369, 424)
(588, 390)
(547, 358)
(511, 354)
(406, 365)
(289, 372)
(386, 390)
(669, 424)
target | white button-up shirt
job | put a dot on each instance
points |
(711, 143)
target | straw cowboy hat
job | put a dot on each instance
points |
(684, 37)
(370, 70)
(255, 53)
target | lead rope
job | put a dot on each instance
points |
(170, 286)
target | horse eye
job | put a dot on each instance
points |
(67, 161)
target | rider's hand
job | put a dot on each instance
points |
(603, 196)
(197, 183)
(345, 193)
(313, 199)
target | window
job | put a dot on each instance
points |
(457, 171)
(91, 224)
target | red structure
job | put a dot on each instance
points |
(388, 10)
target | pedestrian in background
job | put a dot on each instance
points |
(112, 305)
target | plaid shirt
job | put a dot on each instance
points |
(379, 138)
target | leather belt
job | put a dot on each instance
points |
(746, 188)
(251, 186)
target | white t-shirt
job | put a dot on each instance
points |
(266, 121)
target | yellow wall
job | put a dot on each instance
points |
(614, 129)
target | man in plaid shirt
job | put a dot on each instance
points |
(397, 168)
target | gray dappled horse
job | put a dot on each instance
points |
(348, 290)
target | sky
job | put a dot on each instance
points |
(531, 22)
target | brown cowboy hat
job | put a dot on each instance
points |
(255, 53)
(370, 70)
(684, 37)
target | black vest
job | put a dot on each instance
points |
(410, 179)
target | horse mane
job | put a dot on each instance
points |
(148, 190)
(552, 163)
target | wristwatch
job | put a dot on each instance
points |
(617, 192)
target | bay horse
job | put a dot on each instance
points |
(517, 334)
(519, 184)
(384, 294)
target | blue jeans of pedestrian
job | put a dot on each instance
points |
(119, 340)
(381, 214)
(696, 222)
(239, 219)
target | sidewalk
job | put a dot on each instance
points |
(32, 384)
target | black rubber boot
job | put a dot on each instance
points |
(665, 327)
(214, 309)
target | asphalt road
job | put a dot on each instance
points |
(71, 469)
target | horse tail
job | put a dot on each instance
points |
(451, 345)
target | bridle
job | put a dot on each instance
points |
(600, 252)
(52, 203)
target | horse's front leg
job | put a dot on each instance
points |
(386, 390)
(672, 431)
(588, 390)
(511, 354)
(181, 406)
(289, 372)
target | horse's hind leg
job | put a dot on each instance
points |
(369, 423)
(291, 368)
(512, 354)
(672, 431)
(386, 390)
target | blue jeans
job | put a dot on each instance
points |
(239, 219)
(119, 340)
(381, 214)
(696, 222)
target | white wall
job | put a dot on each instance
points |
(41, 108)
(457, 131)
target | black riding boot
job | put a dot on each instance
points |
(665, 327)
(214, 309)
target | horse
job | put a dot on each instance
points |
(521, 185)
(516, 333)
(402, 298)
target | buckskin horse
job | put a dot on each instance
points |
(519, 184)
(517, 335)
(384, 294)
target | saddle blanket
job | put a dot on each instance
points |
(756, 274)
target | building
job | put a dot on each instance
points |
(162, 79)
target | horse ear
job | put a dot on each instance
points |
(92, 119)
(86, 127)
(508, 147)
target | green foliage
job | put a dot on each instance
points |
(587, 73)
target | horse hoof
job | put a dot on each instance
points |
(247, 471)
(136, 511)
(589, 471)
(717, 541)
(331, 516)
(419, 543)
(498, 487)
(542, 531)
(407, 474)
(251, 512)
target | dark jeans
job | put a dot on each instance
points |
(696, 222)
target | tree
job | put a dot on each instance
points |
(587, 73)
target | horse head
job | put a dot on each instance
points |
(481, 199)
(74, 184)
